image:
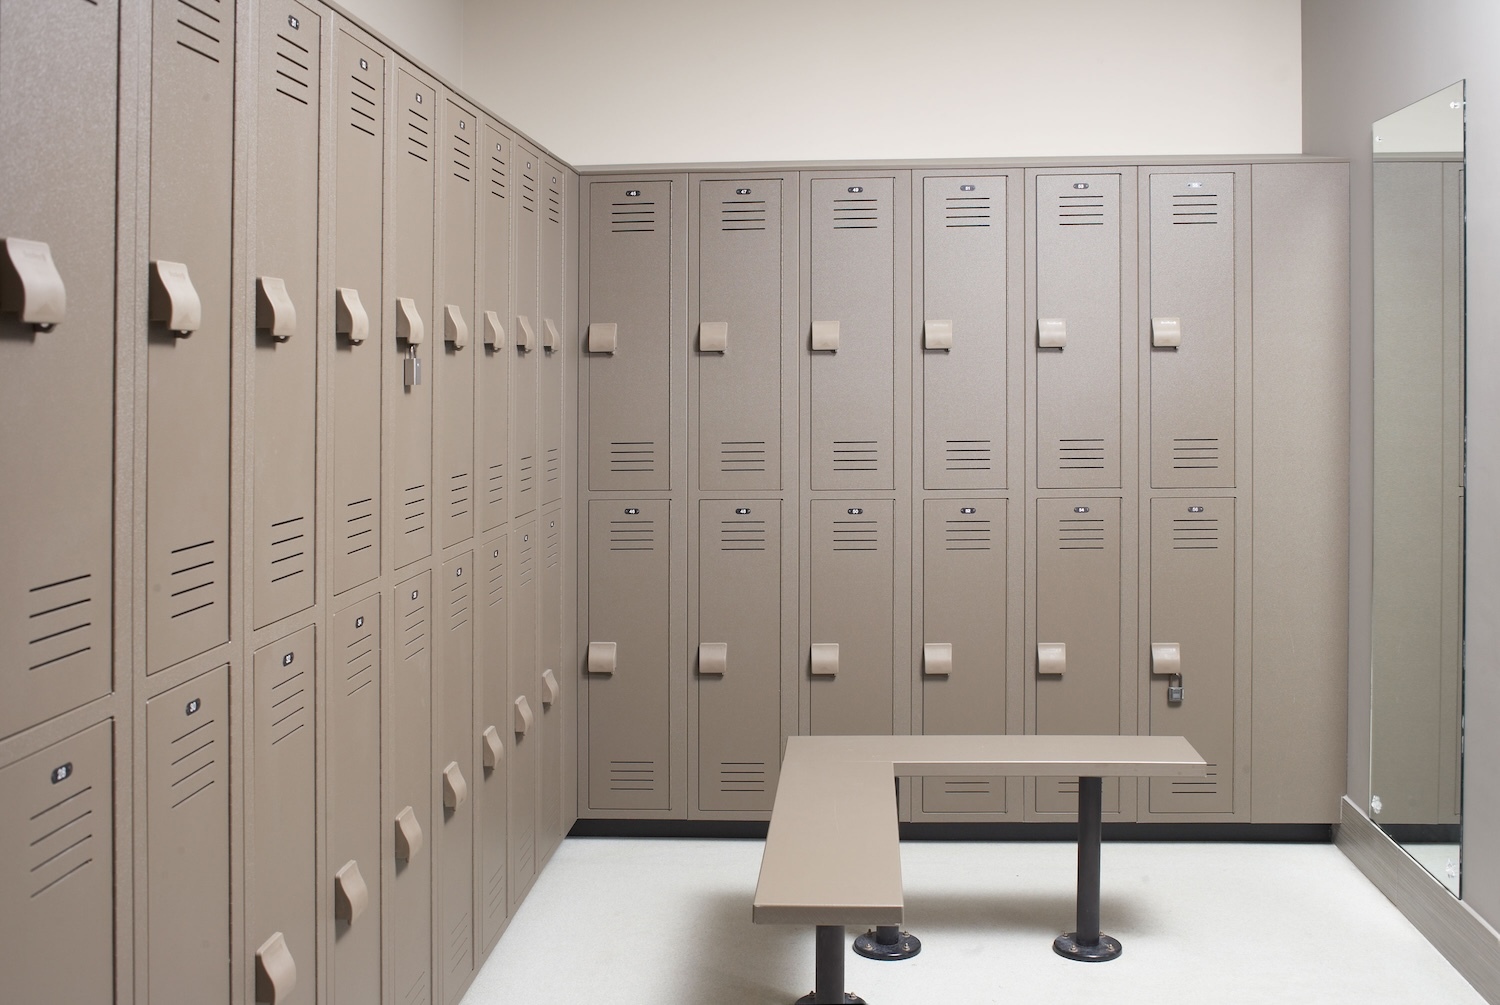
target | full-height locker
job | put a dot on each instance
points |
(520, 717)
(495, 338)
(454, 356)
(284, 201)
(552, 186)
(57, 324)
(525, 260)
(453, 767)
(187, 335)
(492, 723)
(408, 766)
(359, 320)
(549, 686)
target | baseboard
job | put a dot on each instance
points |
(1462, 936)
(1033, 831)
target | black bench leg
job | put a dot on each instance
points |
(1088, 943)
(830, 970)
(888, 942)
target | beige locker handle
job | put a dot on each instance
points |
(494, 331)
(1166, 333)
(825, 336)
(601, 657)
(604, 336)
(551, 340)
(30, 285)
(1051, 333)
(825, 659)
(491, 748)
(350, 894)
(937, 659)
(937, 335)
(349, 316)
(526, 340)
(455, 329)
(409, 321)
(549, 698)
(1166, 658)
(713, 658)
(455, 789)
(173, 298)
(713, 336)
(524, 718)
(1051, 657)
(275, 971)
(275, 314)
(408, 835)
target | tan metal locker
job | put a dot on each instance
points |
(627, 660)
(738, 344)
(737, 665)
(493, 708)
(456, 328)
(520, 716)
(964, 616)
(495, 339)
(553, 186)
(418, 326)
(629, 337)
(851, 663)
(187, 338)
(1192, 338)
(281, 876)
(852, 290)
(57, 357)
(1190, 654)
(964, 331)
(1077, 341)
(549, 688)
(57, 931)
(284, 201)
(359, 322)
(408, 918)
(453, 774)
(187, 841)
(526, 332)
(353, 799)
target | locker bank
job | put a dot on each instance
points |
(438, 429)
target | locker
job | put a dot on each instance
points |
(455, 354)
(1077, 343)
(628, 654)
(527, 333)
(187, 841)
(57, 931)
(851, 610)
(57, 492)
(496, 332)
(1077, 607)
(353, 800)
(852, 289)
(737, 665)
(630, 287)
(965, 261)
(553, 184)
(739, 377)
(408, 918)
(492, 682)
(354, 382)
(187, 344)
(1193, 337)
(520, 717)
(549, 688)
(418, 326)
(964, 601)
(453, 767)
(1192, 633)
(284, 355)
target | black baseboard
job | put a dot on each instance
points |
(756, 829)
(1422, 833)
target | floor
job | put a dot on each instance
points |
(655, 921)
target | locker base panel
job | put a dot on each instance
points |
(1240, 833)
(888, 943)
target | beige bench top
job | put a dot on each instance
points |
(833, 855)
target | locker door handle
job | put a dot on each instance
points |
(1051, 333)
(713, 658)
(604, 336)
(601, 658)
(275, 971)
(937, 335)
(937, 659)
(1051, 657)
(409, 322)
(527, 340)
(524, 718)
(275, 314)
(551, 341)
(713, 336)
(173, 299)
(494, 331)
(1166, 333)
(349, 317)
(30, 285)
(1166, 658)
(492, 750)
(825, 659)
(553, 688)
(455, 329)
(408, 835)
(455, 789)
(350, 894)
(825, 336)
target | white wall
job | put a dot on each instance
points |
(431, 31)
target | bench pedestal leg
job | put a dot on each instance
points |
(830, 970)
(1088, 943)
(888, 942)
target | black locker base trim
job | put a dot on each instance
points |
(1035, 831)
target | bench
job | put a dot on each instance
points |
(832, 856)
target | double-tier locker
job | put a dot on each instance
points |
(520, 716)
(408, 760)
(552, 189)
(494, 341)
(549, 685)
(454, 351)
(526, 169)
(492, 723)
(453, 770)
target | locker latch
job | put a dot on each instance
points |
(601, 657)
(455, 329)
(523, 716)
(275, 314)
(494, 331)
(554, 690)
(1051, 333)
(455, 788)
(937, 659)
(937, 335)
(173, 301)
(351, 895)
(825, 659)
(492, 749)
(349, 317)
(409, 327)
(551, 340)
(30, 285)
(825, 336)
(408, 835)
(411, 367)
(713, 658)
(275, 971)
(526, 340)
(713, 336)
(1051, 657)
(604, 336)
(1166, 661)
(1166, 333)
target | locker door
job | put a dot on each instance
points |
(187, 406)
(853, 564)
(1192, 282)
(57, 490)
(549, 688)
(1192, 608)
(963, 608)
(57, 930)
(285, 204)
(1077, 606)
(737, 666)
(520, 716)
(353, 795)
(527, 334)
(550, 397)
(187, 850)
(491, 660)
(496, 332)
(853, 286)
(1078, 286)
(456, 328)
(964, 266)
(628, 695)
(354, 384)
(630, 287)
(418, 326)
(739, 285)
(453, 767)
(409, 907)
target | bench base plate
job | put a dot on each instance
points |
(811, 998)
(870, 947)
(1069, 948)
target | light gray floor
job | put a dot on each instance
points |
(658, 921)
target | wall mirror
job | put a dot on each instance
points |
(1416, 709)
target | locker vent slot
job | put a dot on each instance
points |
(1080, 533)
(363, 105)
(458, 495)
(742, 214)
(856, 535)
(64, 839)
(414, 509)
(417, 993)
(1195, 453)
(968, 211)
(1198, 786)
(359, 526)
(974, 534)
(527, 467)
(632, 535)
(528, 192)
(742, 776)
(197, 576)
(1081, 454)
(360, 662)
(463, 158)
(202, 32)
(742, 457)
(968, 786)
(632, 457)
(496, 484)
(288, 545)
(554, 205)
(1194, 208)
(633, 217)
(553, 555)
(856, 214)
(554, 464)
(526, 854)
(494, 895)
(413, 627)
(288, 706)
(498, 175)
(62, 614)
(969, 455)
(1080, 210)
(632, 776)
(460, 597)
(1195, 533)
(1066, 788)
(528, 563)
(292, 68)
(194, 755)
(458, 951)
(418, 137)
(742, 535)
(856, 455)
(496, 585)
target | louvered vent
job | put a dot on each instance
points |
(193, 580)
(413, 623)
(495, 578)
(293, 69)
(418, 130)
(60, 622)
(1195, 453)
(1207, 786)
(856, 213)
(1195, 533)
(417, 993)
(632, 776)
(528, 190)
(528, 474)
(968, 533)
(742, 214)
(359, 663)
(1081, 454)
(967, 211)
(459, 495)
(1080, 210)
(460, 601)
(289, 548)
(494, 892)
(359, 526)
(969, 455)
(64, 838)
(1080, 533)
(458, 945)
(632, 457)
(742, 457)
(742, 776)
(634, 216)
(414, 509)
(196, 760)
(553, 463)
(288, 709)
(364, 104)
(494, 486)
(499, 173)
(1189, 208)
(525, 855)
(856, 455)
(856, 535)
(552, 552)
(554, 203)
(742, 535)
(527, 569)
(636, 533)
(201, 27)
(968, 787)
(463, 153)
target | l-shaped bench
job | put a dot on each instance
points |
(833, 857)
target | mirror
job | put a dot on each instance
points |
(1416, 708)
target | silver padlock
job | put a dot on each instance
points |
(411, 368)
(1174, 691)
